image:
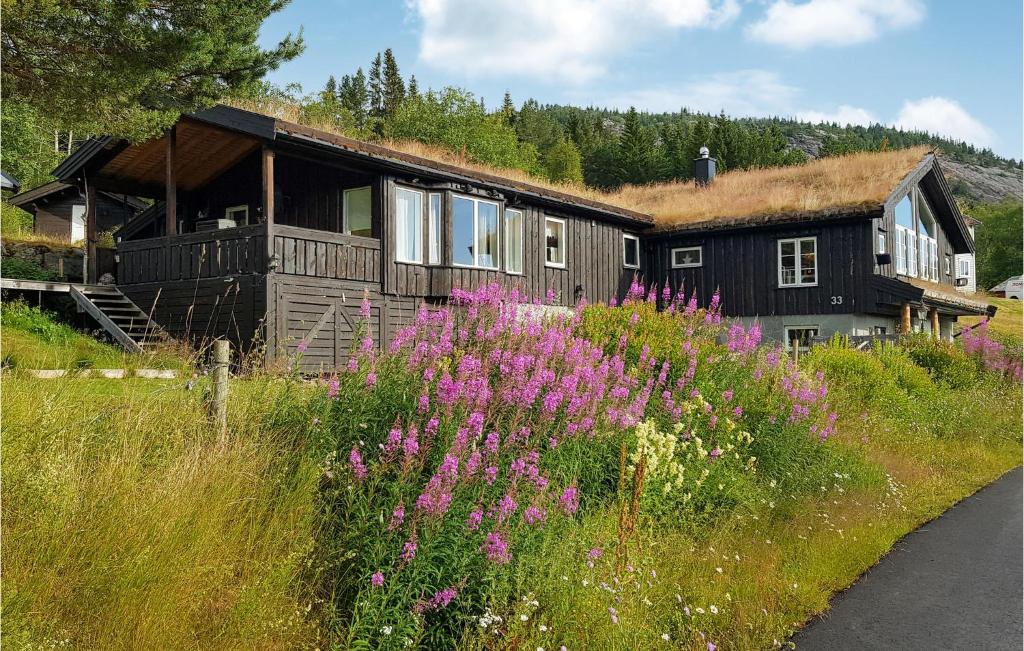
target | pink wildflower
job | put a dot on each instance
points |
(377, 580)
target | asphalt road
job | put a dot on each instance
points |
(955, 583)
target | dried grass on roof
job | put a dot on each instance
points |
(859, 180)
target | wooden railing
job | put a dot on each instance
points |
(208, 254)
(321, 254)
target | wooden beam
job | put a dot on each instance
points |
(171, 184)
(90, 233)
(933, 316)
(268, 201)
(905, 326)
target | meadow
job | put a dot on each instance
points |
(620, 477)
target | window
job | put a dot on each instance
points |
(798, 262)
(928, 232)
(514, 241)
(881, 242)
(357, 210)
(906, 241)
(434, 229)
(800, 337)
(554, 242)
(408, 225)
(687, 256)
(880, 330)
(474, 232)
(630, 251)
(965, 268)
(949, 265)
(240, 214)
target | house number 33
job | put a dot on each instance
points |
(837, 300)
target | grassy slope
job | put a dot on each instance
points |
(31, 339)
(135, 528)
(1008, 321)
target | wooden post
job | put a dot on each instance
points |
(268, 201)
(90, 234)
(905, 319)
(171, 203)
(933, 316)
(221, 360)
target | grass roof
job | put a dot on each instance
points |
(826, 185)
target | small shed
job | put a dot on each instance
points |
(58, 210)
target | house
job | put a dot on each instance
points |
(966, 280)
(58, 210)
(1012, 287)
(270, 233)
(857, 245)
(8, 183)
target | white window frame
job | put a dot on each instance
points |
(949, 266)
(476, 232)
(242, 209)
(434, 221)
(346, 227)
(799, 262)
(933, 258)
(626, 237)
(786, 330)
(419, 234)
(562, 244)
(881, 242)
(963, 268)
(901, 250)
(508, 240)
(912, 254)
(691, 265)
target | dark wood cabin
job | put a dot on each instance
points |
(270, 233)
(58, 210)
(870, 269)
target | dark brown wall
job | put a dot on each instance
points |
(319, 254)
(743, 265)
(594, 259)
(53, 217)
(309, 194)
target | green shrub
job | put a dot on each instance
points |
(14, 220)
(946, 362)
(11, 267)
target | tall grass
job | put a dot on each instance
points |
(127, 526)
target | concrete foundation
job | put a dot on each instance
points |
(774, 327)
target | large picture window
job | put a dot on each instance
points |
(514, 241)
(927, 229)
(906, 249)
(474, 232)
(408, 225)
(630, 251)
(357, 211)
(554, 242)
(798, 262)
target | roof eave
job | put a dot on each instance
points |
(771, 219)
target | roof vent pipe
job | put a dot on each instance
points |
(704, 168)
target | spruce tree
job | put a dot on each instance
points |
(508, 109)
(376, 87)
(640, 160)
(330, 91)
(414, 87)
(354, 96)
(392, 85)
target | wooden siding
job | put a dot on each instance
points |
(306, 252)
(53, 217)
(325, 315)
(594, 261)
(743, 265)
(204, 309)
(309, 194)
(210, 254)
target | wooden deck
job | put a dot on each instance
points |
(45, 286)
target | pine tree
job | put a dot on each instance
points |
(508, 109)
(414, 87)
(393, 87)
(640, 160)
(330, 91)
(376, 86)
(354, 96)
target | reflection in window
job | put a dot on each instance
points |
(800, 337)
(687, 256)
(357, 211)
(434, 229)
(631, 251)
(554, 242)
(408, 225)
(475, 238)
(514, 241)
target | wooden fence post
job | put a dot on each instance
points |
(221, 360)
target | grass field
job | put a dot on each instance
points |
(127, 524)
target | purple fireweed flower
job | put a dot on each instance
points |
(353, 364)
(333, 388)
(397, 517)
(727, 395)
(506, 507)
(424, 404)
(595, 553)
(355, 461)
(490, 474)
(394, 440)
(492, 442)
(302, 346)
(737, 412)
(364, 308)
(371, 379)
(715, 453)
(533, 515)
(409, 550)
(496, 548)
(474, 519)
(377, 580)
(411, 445)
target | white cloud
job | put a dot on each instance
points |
(833, 22)
(739, 93)
(843, 115)
(944, 117)
(555, 40)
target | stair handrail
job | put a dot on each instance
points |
(108, 324)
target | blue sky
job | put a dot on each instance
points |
(952, 67)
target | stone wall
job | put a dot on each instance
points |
(65, 261)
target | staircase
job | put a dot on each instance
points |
(119, 316)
